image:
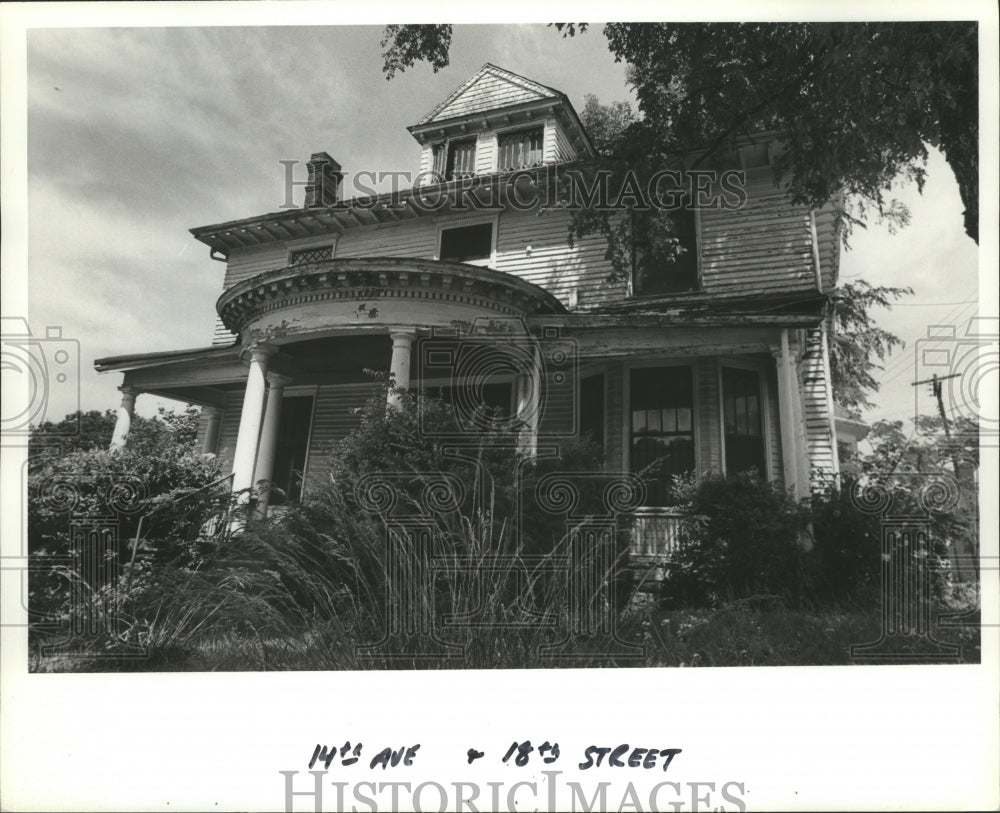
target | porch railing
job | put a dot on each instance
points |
(656, 534)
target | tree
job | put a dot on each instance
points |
(856, 103)
(92, 431)
(857, 341)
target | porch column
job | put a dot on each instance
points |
(269, 437)
(399, 367)
(210, 444)
(794, 460)
(123, 422)
(245, 456)
(528, 387)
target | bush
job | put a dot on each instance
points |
(740, 536)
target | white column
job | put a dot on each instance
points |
(210, 444)
(269, 437)
(399, 367)
(245, 456)
(123, 422)
(528, 398)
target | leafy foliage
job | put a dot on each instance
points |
(404, 45)
(855, 102)
(857, 341)
(740, 537)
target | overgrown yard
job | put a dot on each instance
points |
(742, 633)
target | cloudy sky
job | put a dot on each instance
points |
(138, 134)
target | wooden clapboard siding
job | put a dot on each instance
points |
(773, 424)
(426, 161)
(707, 405)
(488, 92)
(229, 429)
(766, 245)
(564, 150)
(416, 238)
(817, 408)
(552, 264)
(334, 415)
(243, 264)
(486, 153)
(550, 146)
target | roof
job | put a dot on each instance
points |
(139, 360)
(489, 88)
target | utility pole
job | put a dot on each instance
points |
(935, 382)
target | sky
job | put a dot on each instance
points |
(136, 135)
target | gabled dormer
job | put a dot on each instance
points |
(498, 121)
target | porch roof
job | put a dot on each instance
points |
(138, 361)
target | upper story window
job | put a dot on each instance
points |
(519, 150)
(661, 401)
(743, 421)
(664, 252)
(462, 244)
(315, 254)
(455, 159)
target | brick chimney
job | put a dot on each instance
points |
(323, 186)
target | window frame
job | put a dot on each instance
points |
(699, 281)
(311, 244)
(448, 144)
(301, 391)
(446, 224)
(512, 131)
(761, 369)
(692, 364)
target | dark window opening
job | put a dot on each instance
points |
(592, 409)
(292, 448)
(467, 243)
(661, 401)
(519, 150)
(741, 409)
(664, 252)
(455, 159)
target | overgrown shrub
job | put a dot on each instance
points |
(740, 536)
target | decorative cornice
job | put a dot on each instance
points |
(378, 278)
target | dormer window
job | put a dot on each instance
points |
(455, 159)
(519, 150)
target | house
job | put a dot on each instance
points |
(715, 362)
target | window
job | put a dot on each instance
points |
(664, 252)
(310, 255)
(519, 150)
(455, 159)
(465, 243)
(292, 446)
(741, 411)
(592, 408)
(661, 401)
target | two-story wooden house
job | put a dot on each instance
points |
(718, 363)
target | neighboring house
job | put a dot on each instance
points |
(717, 362)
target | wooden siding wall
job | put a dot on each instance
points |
(564, 151)
(774, 424)
(229, 429)
(488, 93)
(817, 408)
(764, 246)
(486, 153)
(334, 415)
